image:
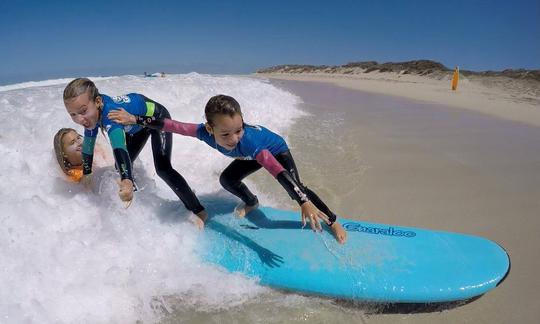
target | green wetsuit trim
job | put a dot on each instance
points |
(118, 138)
(150, 108)
(88, 145)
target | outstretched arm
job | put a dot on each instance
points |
(293, 188)
(123, 163)
(177, 127)
(121, 116)
(88, 154)
(88, 145)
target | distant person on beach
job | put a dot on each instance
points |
(89, 108)
(252, 147)
(154, 75)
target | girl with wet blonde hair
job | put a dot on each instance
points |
(67, 148)
(89, 108)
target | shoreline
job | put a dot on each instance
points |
(390, 160)
(502, 97)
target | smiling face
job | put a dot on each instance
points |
(83, 110)
(227, 130)
(72, 148)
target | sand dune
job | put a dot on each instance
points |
(499, 95)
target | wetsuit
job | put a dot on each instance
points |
(128, 141)
(258, 147)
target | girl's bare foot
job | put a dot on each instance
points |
(199, 219)
(339, 232)
(242, 209)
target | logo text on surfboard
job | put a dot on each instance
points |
(390, 231)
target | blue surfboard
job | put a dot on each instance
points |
(379, 263)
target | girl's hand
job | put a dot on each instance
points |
(199, 219)
(126, 191)
(314, 215)
(121, 116)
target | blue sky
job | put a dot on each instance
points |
(53, 39)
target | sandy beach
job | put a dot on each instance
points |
(423, 162)
(503, 97)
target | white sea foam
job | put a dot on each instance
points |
(32, 84)
(71, 256)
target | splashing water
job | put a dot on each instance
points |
(72, 255)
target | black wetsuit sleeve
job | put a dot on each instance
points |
(168, 125)
(88, 153)
(123, 163)
(121, 156)
(87, 163)
(150, 122)
(292, 187)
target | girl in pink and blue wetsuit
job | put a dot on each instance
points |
(252, 147)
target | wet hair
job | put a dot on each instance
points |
(64, 164)
(221, 105)
(79, 86)
(73, 174)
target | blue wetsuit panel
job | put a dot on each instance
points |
(133, 103)
(255, 139)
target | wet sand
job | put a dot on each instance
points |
(399, 161)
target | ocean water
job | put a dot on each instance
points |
(69, 255)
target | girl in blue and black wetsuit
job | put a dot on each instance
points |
(252, 147)
(89, 108)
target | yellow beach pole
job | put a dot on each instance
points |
(455, 78)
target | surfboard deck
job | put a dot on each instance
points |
(379, 263)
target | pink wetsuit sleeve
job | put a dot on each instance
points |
(177, 127)
(269, 162)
